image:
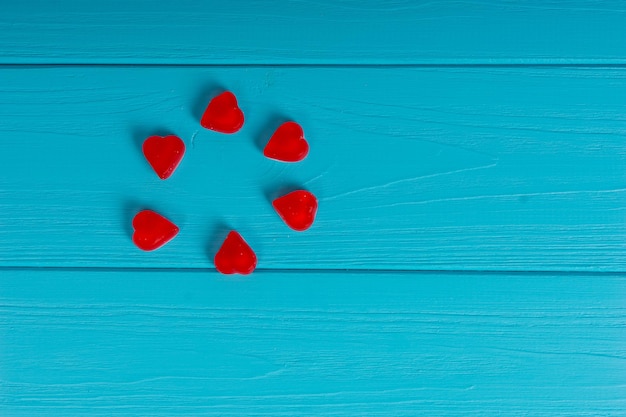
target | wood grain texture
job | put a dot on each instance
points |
(419, 169)
(314, 31)
(462, 136)
(329, 344)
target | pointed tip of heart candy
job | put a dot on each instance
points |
(297, 209)
(164, 154)
(223, 114)
(287, 144)
(235, 256)
(152, 231)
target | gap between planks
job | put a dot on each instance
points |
(425, 272)
(555, 65)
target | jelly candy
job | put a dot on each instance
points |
(164, 153)
(152, 230)
(235, 256)
(223, 114)
(297, 209)
(287, 144)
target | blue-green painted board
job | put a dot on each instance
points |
(317, 31)
(431, 168)
(439, 167)
(77, 343)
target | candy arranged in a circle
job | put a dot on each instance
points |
(235, 256)
(297, 209)
(223, 114)
(164, 153)
(152, 230)
(287, 144)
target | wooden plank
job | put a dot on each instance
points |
(174, 343)
(320, 32)
(455, 169)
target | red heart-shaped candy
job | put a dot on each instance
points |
(287, 144)
(235, 256)
(152, 230)
(297, 209)
(223, 114)
(164, 153)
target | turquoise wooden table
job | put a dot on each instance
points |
(469, 254)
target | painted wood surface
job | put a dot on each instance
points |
(300, 344)
(482, 138)
(314, 31)
(416, 169)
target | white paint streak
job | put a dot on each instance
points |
(518, 195)
(193, 139)
(439, 174)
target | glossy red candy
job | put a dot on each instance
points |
(235, 256)
(152, 230)
(223, 114)
(297, 209)
(287, 144)
(164, 153)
